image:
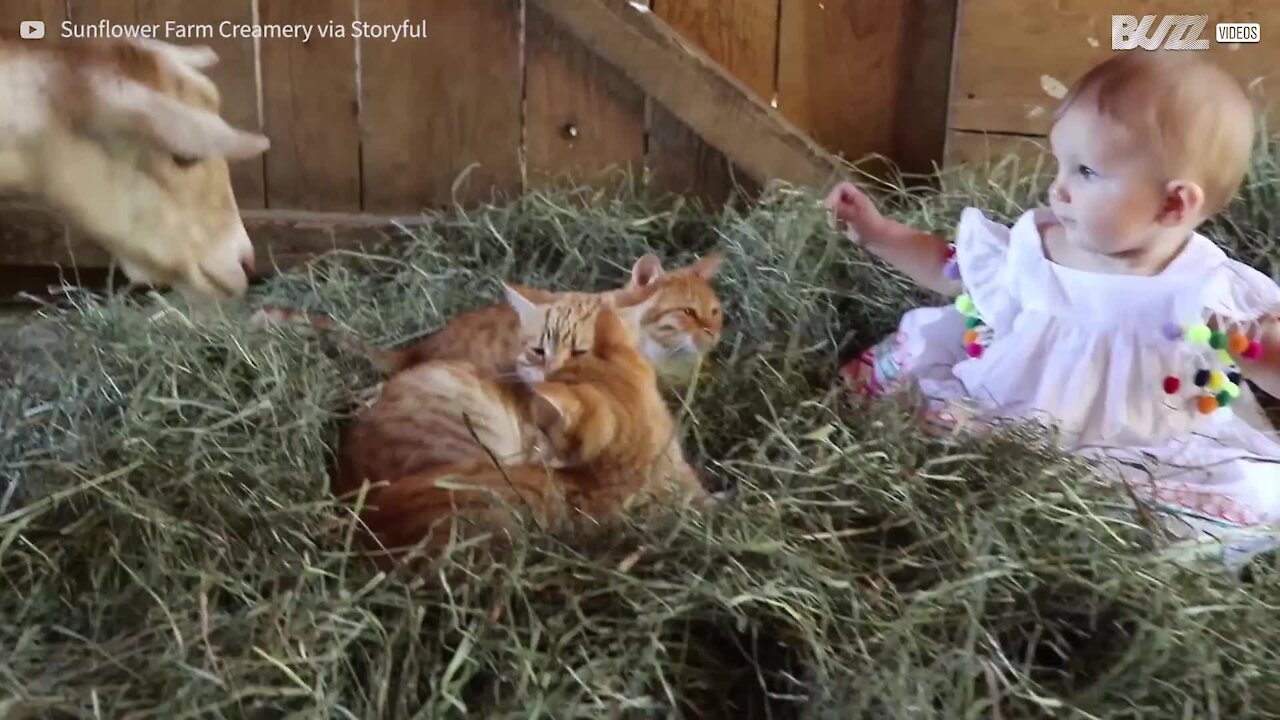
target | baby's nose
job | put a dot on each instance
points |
(1059, 192)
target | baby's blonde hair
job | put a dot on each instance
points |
(1197, 116)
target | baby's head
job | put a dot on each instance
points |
(1149, 145)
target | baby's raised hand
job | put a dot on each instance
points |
(853, 212)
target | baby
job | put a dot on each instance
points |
(1107, 313)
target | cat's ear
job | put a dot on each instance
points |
(522, 300)
(632, 308)
(553, 407)
(707, 265)
(646, 270)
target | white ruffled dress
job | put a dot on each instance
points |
(1091, 354)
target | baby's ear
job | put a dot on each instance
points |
(1183, 201)
(646, 270)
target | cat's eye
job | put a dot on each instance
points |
(691, 312)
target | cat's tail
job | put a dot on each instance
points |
(388, 360)
(484, 497)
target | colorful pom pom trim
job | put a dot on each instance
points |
(1215, 387)
(977, 334)
(951, 269)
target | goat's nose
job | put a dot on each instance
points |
(246, 262)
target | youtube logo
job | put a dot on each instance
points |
(31, 29)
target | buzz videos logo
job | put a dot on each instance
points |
(1176, 32)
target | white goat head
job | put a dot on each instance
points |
(123, 138)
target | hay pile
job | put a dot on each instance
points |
(168, 548)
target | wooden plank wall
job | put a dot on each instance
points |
(498, 91)
(1011, 62)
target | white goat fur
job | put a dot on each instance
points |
(123, 139)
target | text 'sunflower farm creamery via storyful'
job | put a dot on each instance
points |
(171, 30)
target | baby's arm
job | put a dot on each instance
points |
(918, 254)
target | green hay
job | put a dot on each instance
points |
(171, 551)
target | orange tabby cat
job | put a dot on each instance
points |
(683, 325)
(602, 417)
(444, 411)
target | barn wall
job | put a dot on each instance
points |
(1012, 62)
(499, 91)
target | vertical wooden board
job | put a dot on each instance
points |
(310, 108)
(432, 107)
(52, 12)
(234, 72)
(1010, 64)
(583, 118)
(740, 35)
(84, 12)
(838, 72)
(925, 85)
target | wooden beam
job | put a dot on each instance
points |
(285, 239)
(717, 106)
(982, 149)
(31, 237)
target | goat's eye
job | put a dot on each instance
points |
(185, 161)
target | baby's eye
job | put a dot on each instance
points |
(578, 352)
(1086, 171)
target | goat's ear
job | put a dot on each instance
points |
(179, 128)
(199, 57)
